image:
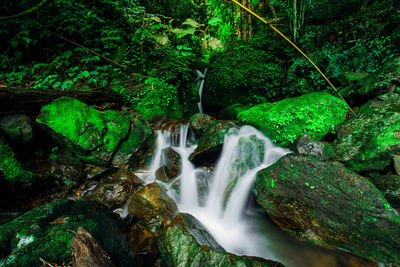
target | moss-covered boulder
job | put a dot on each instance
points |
(94, 136)
(199, 122)
(12, 171)
(46, 232)
(231, 112)
(211, 142)
(325, 203)
(187, 243)
(316, 114)
(160, 103)
(369, 141)
(255, 77)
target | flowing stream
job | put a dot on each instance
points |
(200, 84)
(222, 200)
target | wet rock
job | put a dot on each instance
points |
(11, 170)
(389, 185)
(306, 145)
(172, 161)
(211, 143)
(186, 242)
(369, 141)
(327, 204)
(152, 207)
(46, 232)
(94, 136)
(231, 112)
(162, 174)
(111, 192)
(199, 122)
(316, 114)
(17, 127)
(87, 251)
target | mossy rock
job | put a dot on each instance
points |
(160, 104)
(186, 242)
(327, 204)
(199, 122)
(12, 171)
(94, 136)
(211, 142)
(316, 114)
(369, 141)
(389, 185)
(46, 232)
(255, 77)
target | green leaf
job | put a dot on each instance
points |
(85, 73)
(57, 84)
(192, 23)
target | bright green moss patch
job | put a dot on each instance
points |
(92, 135)
(316, 114)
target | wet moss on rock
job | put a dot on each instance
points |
(316, 114)
(94, 136)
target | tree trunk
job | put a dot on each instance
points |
(245, 21)
(298, 9)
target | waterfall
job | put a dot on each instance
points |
(222, 201)
(200, 83)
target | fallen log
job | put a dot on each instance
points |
(24, 100)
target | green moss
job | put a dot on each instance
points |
(316, 114)
(160, 101)
(369, 141)
(92, 135)
(254, 78)
(12, 169)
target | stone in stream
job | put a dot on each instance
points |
(112, 191)
(306, 145)
(211, 143)
(17, 127)
(316, 114)
(152, 207)
(46, 232)
(185, 242)
(199, 122)
(369, 141)
(172, 161)
(327, 204)
(94, 136)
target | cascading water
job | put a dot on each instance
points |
(200, 84)
(222, 201)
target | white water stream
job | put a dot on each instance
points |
(222, 201)
(200, 84)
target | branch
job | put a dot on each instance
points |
(81, 46)
(25, 12)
